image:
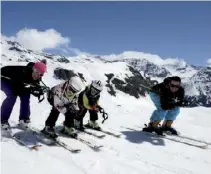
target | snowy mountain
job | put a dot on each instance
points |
(139, 69)
(155, 68)
(125, 79)
(201, 81)
(122, 98)
(148, 68)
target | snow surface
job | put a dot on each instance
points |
(133, 153)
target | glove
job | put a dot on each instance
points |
(37, 91)
(72, 108)
(95, 108)
(185, 103)
(62, 109)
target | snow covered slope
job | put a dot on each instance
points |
(157, 68)
(201, 82)
(133, 153)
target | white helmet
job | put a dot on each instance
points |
(95, 88)
(75, 84)
(97, 84)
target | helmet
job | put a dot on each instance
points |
(75, 84)
(40, 67)
(97, 84)
(95, 88)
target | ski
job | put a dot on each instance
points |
(192, 139)
(22, 142)
(67, 147)
(93, 134)
(49, 141)
(110, 133)
(184, 137)
(88, 143)
(105, 131)
(173, 138)
(56, 141)
(181, 140)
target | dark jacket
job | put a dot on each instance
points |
(168, 99)
(16, 76)
(91, 102)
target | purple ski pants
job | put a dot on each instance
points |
(9, 102)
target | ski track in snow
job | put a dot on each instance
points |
(133, 153)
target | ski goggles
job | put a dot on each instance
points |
(72, 90)
(93, 91)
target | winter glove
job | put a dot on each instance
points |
(166, 103)
(72, 108)
(62, 109)
(68, 108)
(37, 91)
(94, 108)
(185, 103)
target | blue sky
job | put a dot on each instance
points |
(168, 29)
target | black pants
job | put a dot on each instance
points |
(53, 117)
(82, 112)
(54, 114)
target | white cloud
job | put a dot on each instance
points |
(45, 40)
(39, 40)
(51, 39)
(174, 61)
(134, 55)
(7, 38)
(77, 52)
(148, 56)
(209, 61)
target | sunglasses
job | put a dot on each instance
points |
(175, 86)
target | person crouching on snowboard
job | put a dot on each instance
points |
(63, 98)
(88, 101)
(167, 97)
(20, 81)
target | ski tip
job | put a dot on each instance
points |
(36, 147)
(76, 150)
(101, 136)
(118, 136)
(97, 148)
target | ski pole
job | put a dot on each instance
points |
(104, 114)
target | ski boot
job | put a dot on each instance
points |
(5, 129)
(166, 127)
(50, 132)
(93, 125)
(24, 124)
(153, 127)
(70, 131)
